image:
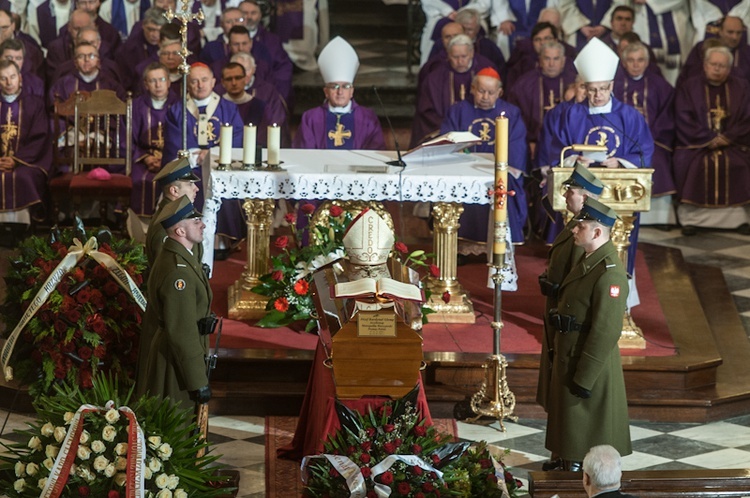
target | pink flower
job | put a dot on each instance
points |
(401, 247)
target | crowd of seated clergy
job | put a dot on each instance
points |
(683, 68)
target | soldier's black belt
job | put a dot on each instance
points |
(548, 287)
(563, 323)
(207, 324)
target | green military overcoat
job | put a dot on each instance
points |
(595, 292)
(563, 254)
(179, 295)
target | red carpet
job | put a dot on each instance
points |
(522, 311)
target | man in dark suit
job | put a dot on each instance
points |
(602, 470)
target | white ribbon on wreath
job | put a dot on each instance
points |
(135, 477)
(76, 253)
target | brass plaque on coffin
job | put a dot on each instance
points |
(376, 324)
(626, 190)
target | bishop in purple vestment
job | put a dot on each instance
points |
(149, 132)
(477, 114)
(711, 163)
(25, 153)
(730, 35)
(443, 87)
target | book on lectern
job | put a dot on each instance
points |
(442, 146)
(383, 287)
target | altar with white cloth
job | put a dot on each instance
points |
(351, 175)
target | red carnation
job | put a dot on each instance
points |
(492, 478)
(281, 242)
(446, 297)
(366, 472)
(386, 477)
(389, 448)
(351, 449)
(404, 488)
(336, 211)
(85, 378)
(100, 351)
(398, 442)
(73, 316)
(307, 208)
(386, 410)
(97, 299)
(366, 445)
(419, 494)
(370, 431)
(420, 430)
(84, 491)
(30, 281)
(101, 272)
(435, 459)
(67, 347)
(364, 458)
(99, 327)
(434, 271)
(401, 247)
(281, 304)
(301, 287)
(289, 217)
(416, 449)
(485, 463)
(78, 274)
(60, 327)
(277, 275)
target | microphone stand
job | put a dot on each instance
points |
(399, 161)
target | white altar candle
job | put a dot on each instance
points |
(248, 144)
(274, 144)
(225, 144)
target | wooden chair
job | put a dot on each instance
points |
(62, 153)
(103, 132)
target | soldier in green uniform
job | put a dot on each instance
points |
(587, 405)
(563, 254)
(175, 179)
(180, 297)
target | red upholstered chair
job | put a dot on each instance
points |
(62, 152)
(104, 138)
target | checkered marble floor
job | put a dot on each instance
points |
(656, 446)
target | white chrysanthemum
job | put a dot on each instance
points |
(180, 493)
(120, 478)
(98, 446)
(20, 469)
(109, 433)
(161, 481)
(32, 469)
(35, 443)
(84, 452)
(112, 416)
(154, 464)
(60, 433)
(68, 417)
(111, 470)
(52, 450)
(19, 485)
(174, 481)
(100, 463)
(164, 451)
(121, 449)
(85, 437)
(48, 429)
(154, 442)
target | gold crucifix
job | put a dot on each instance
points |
(158, 143)
(717, 114)
(635, 103)
(8, 132)
(339, 135)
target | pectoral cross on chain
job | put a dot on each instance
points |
(717, 114)
(8, 132)
(635, 103)
(339, 134)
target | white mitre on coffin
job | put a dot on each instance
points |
(368, 240)
(338, 61)
(596, 62)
